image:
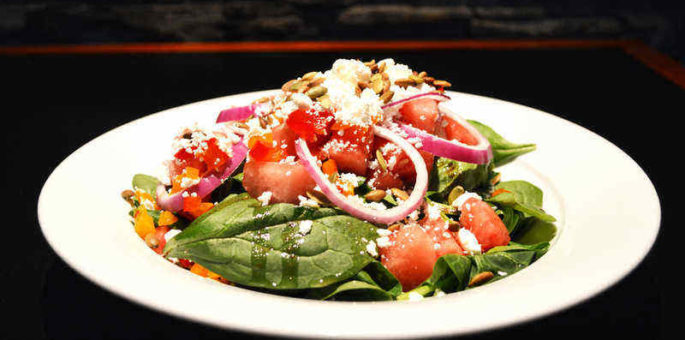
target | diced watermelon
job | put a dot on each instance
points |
(350, 149)
(421, 113)
(286, 181)
(414, 250)
(410, 257)
(452, 130)
(479, 218)
(399, 163)
(383, 180)
(310, 124)
(283, 135)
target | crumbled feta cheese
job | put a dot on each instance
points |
(306, 202)
(371, 249)
(305, 227)
(265, 197)
(171, 233)
(468, 241)
(414, 296)
(463, 198)
(433, 211)
(383, 242)
(301, 100)
(383, 232)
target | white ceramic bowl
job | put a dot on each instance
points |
(607, 209)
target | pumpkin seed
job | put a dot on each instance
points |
(375, 195)
(387, 96)
(381, 160)
(362, 84)
(298, 85)
(422, 74)
(286, 86)
(442, 83)
(316, 92)
(369, 63)
(316, 82)
(325, 101)
(481, 278)
(377, 86)
(428, 80)
(455, 193)
(310, 75)
(376, 77)
(453, 225)
(394, 227)
(127, 195)
(404, 82)
(399, 193)
(381, 67)
(416, 79)
(318, 197)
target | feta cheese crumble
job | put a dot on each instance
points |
(463, 198)
(469, 241)
(265, 197)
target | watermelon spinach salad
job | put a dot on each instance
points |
(356, 184)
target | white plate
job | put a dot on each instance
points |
(607, 208)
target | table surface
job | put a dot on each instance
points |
(56, 102)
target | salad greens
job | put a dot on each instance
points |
(323, 253)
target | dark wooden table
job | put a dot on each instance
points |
(58, 98)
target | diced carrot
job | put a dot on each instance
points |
(188, 173)
(166, 218)
(143, 223)
(329, 167)
(498, 191)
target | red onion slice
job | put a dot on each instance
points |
(480, 153)
(376, 216)
(237, 113)
(206, 185)
(439, 96)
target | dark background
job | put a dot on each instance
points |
(659, 23)
(57, 103)
(53, 104)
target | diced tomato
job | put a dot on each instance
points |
(187, 264)
(285, 181)
(479, 218)
(262, 148)
(452, 130)
(311, 125)
(421, 113)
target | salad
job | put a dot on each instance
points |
(358, 183)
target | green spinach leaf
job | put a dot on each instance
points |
(270, 246)
(449, 173)
(503, 151)
(522, 196)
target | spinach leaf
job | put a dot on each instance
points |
(522, 196)
(146, 183)
(264, 246)
(448, 173)
(374, 283)
(539, 248)
(503, 151)
(533, 231)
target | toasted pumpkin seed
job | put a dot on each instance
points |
(453, 225)
(399, 193)
(310, 75)
(375, 77)
(404, 82)
(381, 160)
(455, 193)
(298, 85)
(416, 79)
(428, 80)
(362, 84)
(318, 197)
(287, 85)
(127, 195)
(375, 195)
(381, 67)
(387, 96)
(316, 92)
(394, 227)
(316, 82)
(442, 83)
(369, 63)
(422, 74)
(325, 101)
(377, 86)
(481, 278)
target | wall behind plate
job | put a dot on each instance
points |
(659, 23)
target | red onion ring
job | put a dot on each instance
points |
(439, 96)
(376, 216)
(480, 153)
(237, 113)
(174, 203)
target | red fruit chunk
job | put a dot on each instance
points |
(283, 135)
(350, 148)
(399, 163)
(421, 113)
(384, 180)
(446, 241)
(452, 130)
(479, 218)
(285, 181)
(310, 125)
(411, 256)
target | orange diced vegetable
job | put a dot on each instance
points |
(166, 218)
(199, 270)
(329, 167)
(143, 223)
(188, 173)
